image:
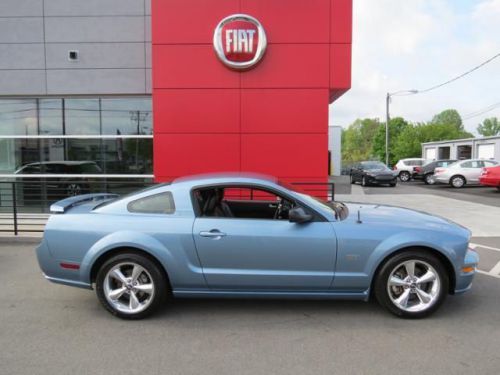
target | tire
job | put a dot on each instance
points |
(498, 188)
(421, 299)
(429, 179)
(363, 181)
(352, 180)
(404, 176)
(150, 287)
(457, 182)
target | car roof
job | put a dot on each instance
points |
(226, 177)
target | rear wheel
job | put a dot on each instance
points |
(131, 286)
(429, 179)
(457, 182)
(404, 176)
(412, 284)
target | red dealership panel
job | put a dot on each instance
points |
(272, 117)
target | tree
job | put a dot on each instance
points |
(396, 126)
(357, 140)
(489, 127)
(449, 117)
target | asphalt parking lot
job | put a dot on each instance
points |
(51, 329)
(476, 194)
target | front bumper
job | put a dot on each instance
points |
(464, 279)
(381, 180)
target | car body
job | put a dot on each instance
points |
(57, 187)
(404, 168)
(463, 172)
(234, 235)
(490, 176)
(426, 171)
(372, 173)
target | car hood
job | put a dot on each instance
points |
(401, 217)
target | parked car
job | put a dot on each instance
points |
(372, 172)
(426, 171)
(56, 187)
(404, 168)
(490, 176)
(234, 235)
(462, 172)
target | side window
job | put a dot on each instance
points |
(162, 203)
(419, 162)
(467, 164)
(489, 163)
(241, 202)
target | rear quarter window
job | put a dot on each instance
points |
(162, 203)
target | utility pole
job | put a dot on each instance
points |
(388, 118)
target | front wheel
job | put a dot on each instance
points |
(131, 286)
(412, 284)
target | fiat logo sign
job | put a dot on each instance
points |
(240, 41)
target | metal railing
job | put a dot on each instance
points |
(25, 202)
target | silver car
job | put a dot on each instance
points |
(462, 172)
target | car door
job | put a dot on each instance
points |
(240, 254)
(472, 170)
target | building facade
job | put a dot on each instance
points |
(78, 80)
(472, 148)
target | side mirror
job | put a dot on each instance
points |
(299, 215)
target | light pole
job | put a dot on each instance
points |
(388, 118)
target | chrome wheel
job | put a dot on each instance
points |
(129, 288)
(404, 176)
(414, 286)
(457, 182)
(430, 179)
(73, 190)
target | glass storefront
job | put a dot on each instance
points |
(51, 148)
(115, 133)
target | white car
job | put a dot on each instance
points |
(404, 168)
(462, 172)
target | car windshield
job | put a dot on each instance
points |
(338, 209)
(375, 165)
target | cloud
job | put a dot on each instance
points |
(416, 44)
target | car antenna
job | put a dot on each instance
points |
(359, 217)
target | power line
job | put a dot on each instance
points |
(481, 111)
(461, 75)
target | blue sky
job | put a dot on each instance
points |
(416, 44)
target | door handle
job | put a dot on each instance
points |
(214, 234)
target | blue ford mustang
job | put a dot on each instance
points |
(251, 236)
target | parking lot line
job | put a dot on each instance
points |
(496, 270)
(474, 245)
(488, 274)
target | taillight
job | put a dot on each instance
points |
(417, 169)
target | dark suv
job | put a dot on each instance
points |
(426, 172)
(33, 188)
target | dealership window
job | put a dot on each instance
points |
(115, 133)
